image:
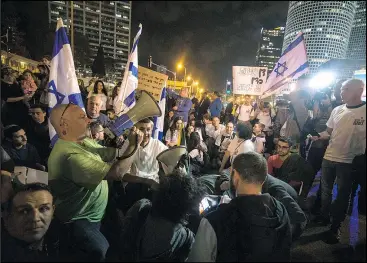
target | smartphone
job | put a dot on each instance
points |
(204, 205)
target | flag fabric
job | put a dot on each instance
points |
(291, 65)
(159, 121)
(63, 85)
(126, 97)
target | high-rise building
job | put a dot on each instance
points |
(357, 40)
(326, 26)
(104, 22)
(270, 47)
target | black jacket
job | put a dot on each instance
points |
(38, 136)
(252, 228)
(146, 238)
(204, 106)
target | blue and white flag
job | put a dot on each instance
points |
(159, 121)
(63, 85)
(126, 97)
(291, 65)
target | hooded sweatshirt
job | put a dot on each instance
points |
(252, 228)
(216, 107)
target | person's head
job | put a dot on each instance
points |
(284, 146)
(194, 141)
(171, 114)
(247, 100)
(192, 116)
(337, 89)
(8, 74)
(192, 123)
(244, 131)
(229, 127)
(46, 60)
(249, 171)
(206, 118)
(216, 94)
(116, 91)
(177, 123)
(265, 108)
(176, 196)
(146, 127)
(215, 121)
(44, 69)
(99, 88)
(16, 135)
(111, 114)
(27, 74)
(29, 212)
(97, 131)
(70, 122)
(38, 113)
(322, 98)
(94, 105)
(258, 128)
(184, 92)
(351, 91)
(305, 98)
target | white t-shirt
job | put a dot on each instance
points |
(226, 141)
(238, 146)
(145, 163)
(348, 138)
(245, 112)
(265, 119)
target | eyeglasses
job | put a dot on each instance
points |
(67, 106)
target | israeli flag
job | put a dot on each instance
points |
(63, 85)
(291, 65)
(159, 121)
(126, 97)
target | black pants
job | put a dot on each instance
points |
(314, 158)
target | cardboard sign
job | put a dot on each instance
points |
(151, 81)
(249, 80)
(27, 175)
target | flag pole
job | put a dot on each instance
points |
(72, 27)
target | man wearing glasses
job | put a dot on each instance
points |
(275, 162)
(78, 172)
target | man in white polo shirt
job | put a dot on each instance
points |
(346, 128)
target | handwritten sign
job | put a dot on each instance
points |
(249, 80)
(151, 81)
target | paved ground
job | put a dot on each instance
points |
(311, 248)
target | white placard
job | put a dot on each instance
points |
(28, 175)
(249, 80)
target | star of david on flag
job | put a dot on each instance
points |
(63, 84)
(291, 65)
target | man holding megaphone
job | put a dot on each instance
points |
(78, 170)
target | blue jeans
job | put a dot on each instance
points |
(344, 180)
(89, 240)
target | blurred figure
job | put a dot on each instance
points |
(100, 90)
(27, 83)
(174, 135)
(94, 110)
(97, 133)
(83, 91)
(41, 95)
(245, 112)
(258, 137)
(203, 105)
(182, 104)
(111, 115)
(216, 106)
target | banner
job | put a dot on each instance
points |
(159, 121)
(249, 80)
(151, 81)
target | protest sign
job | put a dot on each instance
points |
(248, 80)
(151, 81)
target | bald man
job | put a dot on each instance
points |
(94, 105)
(78, 171)
(346, 130)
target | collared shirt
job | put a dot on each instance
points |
(224, 140)
(145, 164)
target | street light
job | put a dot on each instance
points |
(188, 77)
(180, 66)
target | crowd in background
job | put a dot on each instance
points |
(259, 159)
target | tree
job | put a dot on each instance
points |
(82, 52)
(98, 67)
(109, 63)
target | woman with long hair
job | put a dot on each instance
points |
(174, 135)
(115, 93)
(100, 89)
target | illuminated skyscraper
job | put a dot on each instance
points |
(357, 40)
(103, 22)
(326, 26)
(270, 47)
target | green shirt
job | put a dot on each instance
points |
(76, 173)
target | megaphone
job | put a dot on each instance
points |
(170, 158)
(145, 107)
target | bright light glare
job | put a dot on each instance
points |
(228, 83)
(322, 80)
(188, 77)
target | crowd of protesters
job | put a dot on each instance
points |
(238, 195)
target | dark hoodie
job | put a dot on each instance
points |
(252, 228)
(146, 238)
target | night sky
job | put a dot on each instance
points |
(209, 37)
